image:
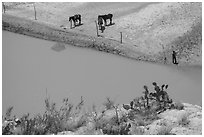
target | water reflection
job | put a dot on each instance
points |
(58, 47)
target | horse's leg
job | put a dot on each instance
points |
(80, 21)
(105, 22)
(101, 29)
(70, 24)
(74, 23)
(99, 26)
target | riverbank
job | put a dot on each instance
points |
(187, 44)
(49, 32)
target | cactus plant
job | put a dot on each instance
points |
(157, 89)
(131, 104)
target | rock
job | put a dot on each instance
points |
(174, 118)
(161, 127)
(179, 130)
(185, 131)
(172, 115)
(196, 114)
(195, 124)
(153, 129)
(187, 105)
(89, 129)
(137, 130)
(109, 114)
(190, 109)
(170, 122)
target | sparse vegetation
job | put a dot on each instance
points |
(141, 111)
(109, 104)
(183, 120)
(8, 112)
(51, 121)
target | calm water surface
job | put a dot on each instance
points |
(30, 67)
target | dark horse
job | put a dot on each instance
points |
(76, 18)
(105, 17)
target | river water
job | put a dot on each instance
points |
(32, 71)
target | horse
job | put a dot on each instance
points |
(105, 17)
(100, 24)
(75, 18)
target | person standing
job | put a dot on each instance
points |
(174, 58)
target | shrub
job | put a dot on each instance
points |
(183, 121)
(52, 121)
(75, 122)
(178, 105)
(8, 112)
(109, 103)
(114, 126)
